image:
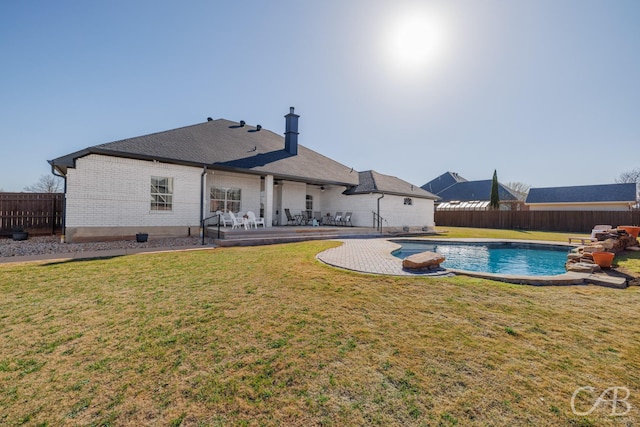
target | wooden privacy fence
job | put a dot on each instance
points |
(37, 213)
(569, 221)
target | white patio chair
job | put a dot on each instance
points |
(235, 222)
(253, 220)
(224, 218)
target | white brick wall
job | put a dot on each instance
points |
(104, 191)
(392, 208)
(249, 185)
(293, 197)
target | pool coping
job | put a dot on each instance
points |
(373, 256)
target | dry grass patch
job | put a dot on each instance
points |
(269, 336)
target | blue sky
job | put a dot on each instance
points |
(545, 91)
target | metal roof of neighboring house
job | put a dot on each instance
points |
(224, 145)
(443, 182)
(475, 190)
(374, 182)
(584, 194)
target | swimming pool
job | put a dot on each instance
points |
(524, 259)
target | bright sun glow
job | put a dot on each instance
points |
(415, 40)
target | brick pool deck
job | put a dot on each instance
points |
(373, 256)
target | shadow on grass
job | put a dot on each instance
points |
(72, 260)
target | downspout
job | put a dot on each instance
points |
(64, 202)
(379, 219)
(204, 172)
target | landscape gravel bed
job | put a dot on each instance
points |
(39, 245)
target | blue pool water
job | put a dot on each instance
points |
(502, 258)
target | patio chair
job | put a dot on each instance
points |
(346, 219)
(317, 215)
(290, 219)
(326, 219)
(592, 238)
(304, 218)
(253, 220)
(223, 218)
(235, 223)
(336, 219)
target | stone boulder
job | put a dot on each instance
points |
(583, 267)
(422, 261)
(596, 247)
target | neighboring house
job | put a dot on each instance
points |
(456, 193)
(606, 197)
(443, 182)
(166, 183)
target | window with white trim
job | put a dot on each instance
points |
(225, 199)
(161, 193)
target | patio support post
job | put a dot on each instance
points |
(268, 200)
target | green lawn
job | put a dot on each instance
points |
(270, 336)
(487, 233)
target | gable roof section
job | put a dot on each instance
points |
(224, 145)
(443, 182)
(584, 194)
(374, 182)
(475, 190)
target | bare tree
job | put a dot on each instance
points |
(46, 184)
(520, 188)
(629, 176)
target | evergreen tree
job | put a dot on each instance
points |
(494, 203)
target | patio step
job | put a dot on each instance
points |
(285, 234)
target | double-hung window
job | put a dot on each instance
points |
(161, 193)
(225, 199)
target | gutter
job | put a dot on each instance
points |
(204, 173)
(379, 220)
(64, 201)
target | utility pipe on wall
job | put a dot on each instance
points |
(379, 219)
(204, 173)
(64, 203)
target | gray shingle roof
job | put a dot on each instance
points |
(374, 182)
(583, 194)
(223, 144)
(443, 182)
(475, 190)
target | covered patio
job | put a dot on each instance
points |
(226, 236)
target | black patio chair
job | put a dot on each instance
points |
(290, 219)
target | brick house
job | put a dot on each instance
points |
(166, 183)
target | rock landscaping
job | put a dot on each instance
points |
(51, 245)
(581, 259)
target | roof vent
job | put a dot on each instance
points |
(209, 119)
(258, 127)
(242, 123)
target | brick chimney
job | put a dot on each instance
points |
(291, 133)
